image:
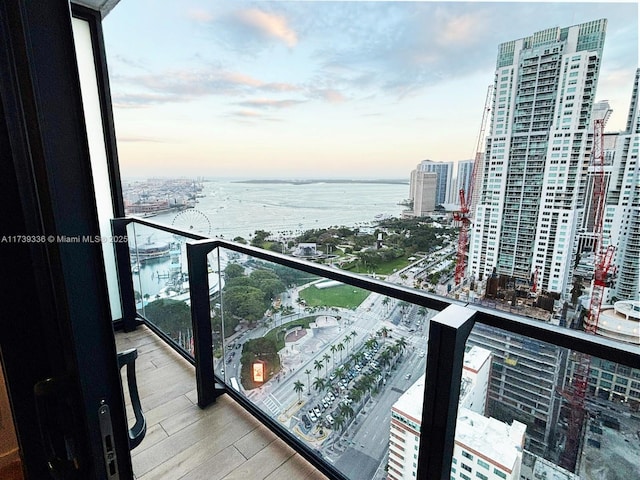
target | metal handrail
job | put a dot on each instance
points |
(447, 336)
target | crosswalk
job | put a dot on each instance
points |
(272, 404)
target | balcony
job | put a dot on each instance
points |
(184, 441)
(200, 412)
(201, 423)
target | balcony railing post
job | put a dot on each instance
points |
(201, 318)
(125, 278)
(448, 332)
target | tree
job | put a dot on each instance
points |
(170, 316)
(318, 364)
(345, 410)
(233, 270)
(326, 358)
(385, 302)
(340, 348)
(259, 237)
(401, 343)
(371, 343)
(383, 332)
(244, 302)
(307, 373)
(298, 387)
(385, 357)
(346, 341)
(339, 422)
(319, 383)
(333, 354)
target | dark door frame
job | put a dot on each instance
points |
(55, 324)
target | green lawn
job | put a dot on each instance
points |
(344, 296)
(386, 268)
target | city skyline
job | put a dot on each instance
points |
(324, 89)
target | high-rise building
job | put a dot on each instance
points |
(422, 188)
(463, 179)
(525, 377)
(533, 181)
(493, 445)
(444, 180)
(622, 220)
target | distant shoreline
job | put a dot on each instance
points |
(316, 181)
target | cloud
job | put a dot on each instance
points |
(247, 114)
(141, 100)
(330, 95)
(270, 103)
(136, 139)
(184, 85)
(199, 15)
(270, 25)
(462, 29)
(251, 117)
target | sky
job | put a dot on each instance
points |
(310, 89)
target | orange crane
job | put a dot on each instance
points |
(466, 201)
(603, 268)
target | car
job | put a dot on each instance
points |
(312, 416)
(407, 376)
(306, 421)
(317, 411)
(330, 419)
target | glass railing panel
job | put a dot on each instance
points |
(531, 409)
(327, 361)
(160, 281)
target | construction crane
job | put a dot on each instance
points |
(603, 269)
(463, 215)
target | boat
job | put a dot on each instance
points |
(150, 251)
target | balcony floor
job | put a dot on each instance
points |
(184, 442)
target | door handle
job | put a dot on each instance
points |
(54, 411)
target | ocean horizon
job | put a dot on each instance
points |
(233, 208)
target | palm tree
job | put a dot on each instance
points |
(307, 373)
(346, 342)
(345, 410)
(371, 343)
(383, 332)
(356, 394)
(385, 357)
(385, 302)
(358, 356)
(298, 387)
(333, 354)
(401, 343)
(340, 373)
(318, 364)
(340, 348)
(319, 383)
(339, 422)
(354, 334)
(326, 358)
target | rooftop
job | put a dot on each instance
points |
(498, 441)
